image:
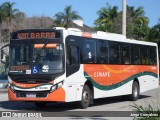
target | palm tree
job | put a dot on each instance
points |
(64, 19)
(11, 12)
(154, 33)
(110, 20)
(3, 16)
(107, 16)
(137, 15)
(137, 23)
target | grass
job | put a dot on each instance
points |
(148, 112)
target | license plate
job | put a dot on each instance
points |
(30, 95)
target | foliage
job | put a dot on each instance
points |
(106, 20)
(3, 15)
(110, 20)
(10, 11)
(64, 19)
(154, 33)
(148, 110)
(137, 23)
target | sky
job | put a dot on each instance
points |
(87, 9)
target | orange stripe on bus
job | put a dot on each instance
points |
(112, 74)
(118, 71)
(87, 35)
(47, 46)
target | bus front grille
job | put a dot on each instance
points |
(37, 94)
(28, 81)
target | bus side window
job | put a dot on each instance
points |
(72, 55)
(135, 54)
(114, 53)
(144, 55)
(152, 56)
(125, 53)
(102, 52)
(89, 52)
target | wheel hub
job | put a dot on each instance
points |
(85, 96)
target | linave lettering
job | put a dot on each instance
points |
(101, 74)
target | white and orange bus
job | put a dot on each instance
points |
(67, 65)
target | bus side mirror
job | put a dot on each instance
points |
(2, 54)
(5, 55)
(7, 61)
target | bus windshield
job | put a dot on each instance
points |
(36, 58)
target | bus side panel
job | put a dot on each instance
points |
(148, 82)
(110, 80)
(123, 90)
(117, 79)
(74, 85)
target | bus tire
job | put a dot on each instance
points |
(85, 99)
(135, 91)
(40, 104)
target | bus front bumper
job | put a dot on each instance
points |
(55, 96)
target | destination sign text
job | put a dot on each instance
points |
(36, 35)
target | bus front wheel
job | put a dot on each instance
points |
(135, 91)
(85, 100)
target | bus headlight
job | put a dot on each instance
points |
(11, 87)
(59, 84)
(53, 88)
(56, 86)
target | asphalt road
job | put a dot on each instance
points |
(151, 97)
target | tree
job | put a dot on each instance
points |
(154, 33)
(137, 15)
(11, 12)
(64, 19)
(137, 23)
(110, 20)
(3, 17)
(107, 16)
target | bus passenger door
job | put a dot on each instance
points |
(72, 60)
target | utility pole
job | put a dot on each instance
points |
(124, 17)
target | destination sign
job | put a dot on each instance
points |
(36, 34)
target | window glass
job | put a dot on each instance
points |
(72, 55)
(114, 53)
(89, 52)
(125, 53)
(19, 54)
(152, 56)
(135, 54)
(144, 55)
(48, 60)
(102, 52)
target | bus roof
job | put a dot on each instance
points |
(104, 36)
